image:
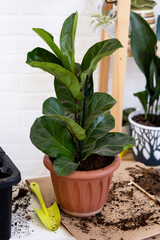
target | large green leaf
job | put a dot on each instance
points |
(42, 55)
(65, 96)
(143, 45)
(95, 54)
(63, 166)
(76, 130)
(63, 75)
(100, 103)
(112, 144)
(143, 98)
(48, 38)
(52, 137)
(99, 128)
(52, 106)
(67, 38)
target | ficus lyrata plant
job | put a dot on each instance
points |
(76, 124)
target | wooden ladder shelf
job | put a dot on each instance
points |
(119, 62)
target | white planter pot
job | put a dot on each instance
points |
(147, 138)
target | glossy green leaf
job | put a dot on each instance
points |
(126, 113)
(156, 83)
(48, 38)
(95, 54)
(52, 137)
(112, 144)
(143, 98)
(100, 103)
(143, 44)
(63, 75)
(63, 166)
(76, 130)
(65, 97)
(67, 38)
(52, 106)
(42, 55)
(99, 128)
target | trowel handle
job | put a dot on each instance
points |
(36, 190)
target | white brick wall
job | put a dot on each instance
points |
(23, 89)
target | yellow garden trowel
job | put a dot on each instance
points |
(50, 217)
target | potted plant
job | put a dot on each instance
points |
(145, 8)
(145, 125)
(74, 130)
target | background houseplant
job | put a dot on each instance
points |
(106, 16)
(143, 46)
(76, 124)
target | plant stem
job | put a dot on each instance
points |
(84, 103)
(83, 115)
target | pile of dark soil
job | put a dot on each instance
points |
(141, 120)
(21, 211)
(148, 179)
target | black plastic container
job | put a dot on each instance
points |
(9, 176)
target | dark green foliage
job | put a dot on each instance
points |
(60, 133)
(143, 45)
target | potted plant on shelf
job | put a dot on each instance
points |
(145, 8)
(145, 125)
(74, 131)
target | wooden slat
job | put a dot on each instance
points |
(105, 62)
(104, 70)
(119, 62)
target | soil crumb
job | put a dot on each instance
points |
(126, 208)
(21, 211)
(148, 179)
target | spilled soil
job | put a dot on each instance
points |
(21, 211)
(126, 208)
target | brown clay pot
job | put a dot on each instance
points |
(82, 193)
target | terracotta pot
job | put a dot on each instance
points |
(82, 193)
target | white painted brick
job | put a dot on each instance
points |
(32, 169)
(36, 83)
(16, 64)
(14, 135)
(8, 45)
(10, 119)
(9, 83)
(23, 151)
(23, 101)
(62, 8)
(19, 24)
(8, 7)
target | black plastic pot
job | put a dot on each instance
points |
(9, 176)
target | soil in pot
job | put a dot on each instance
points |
(141, 120)
(93, 162)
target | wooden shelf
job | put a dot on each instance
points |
(119, 62)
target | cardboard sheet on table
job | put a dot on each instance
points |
(107, 232)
